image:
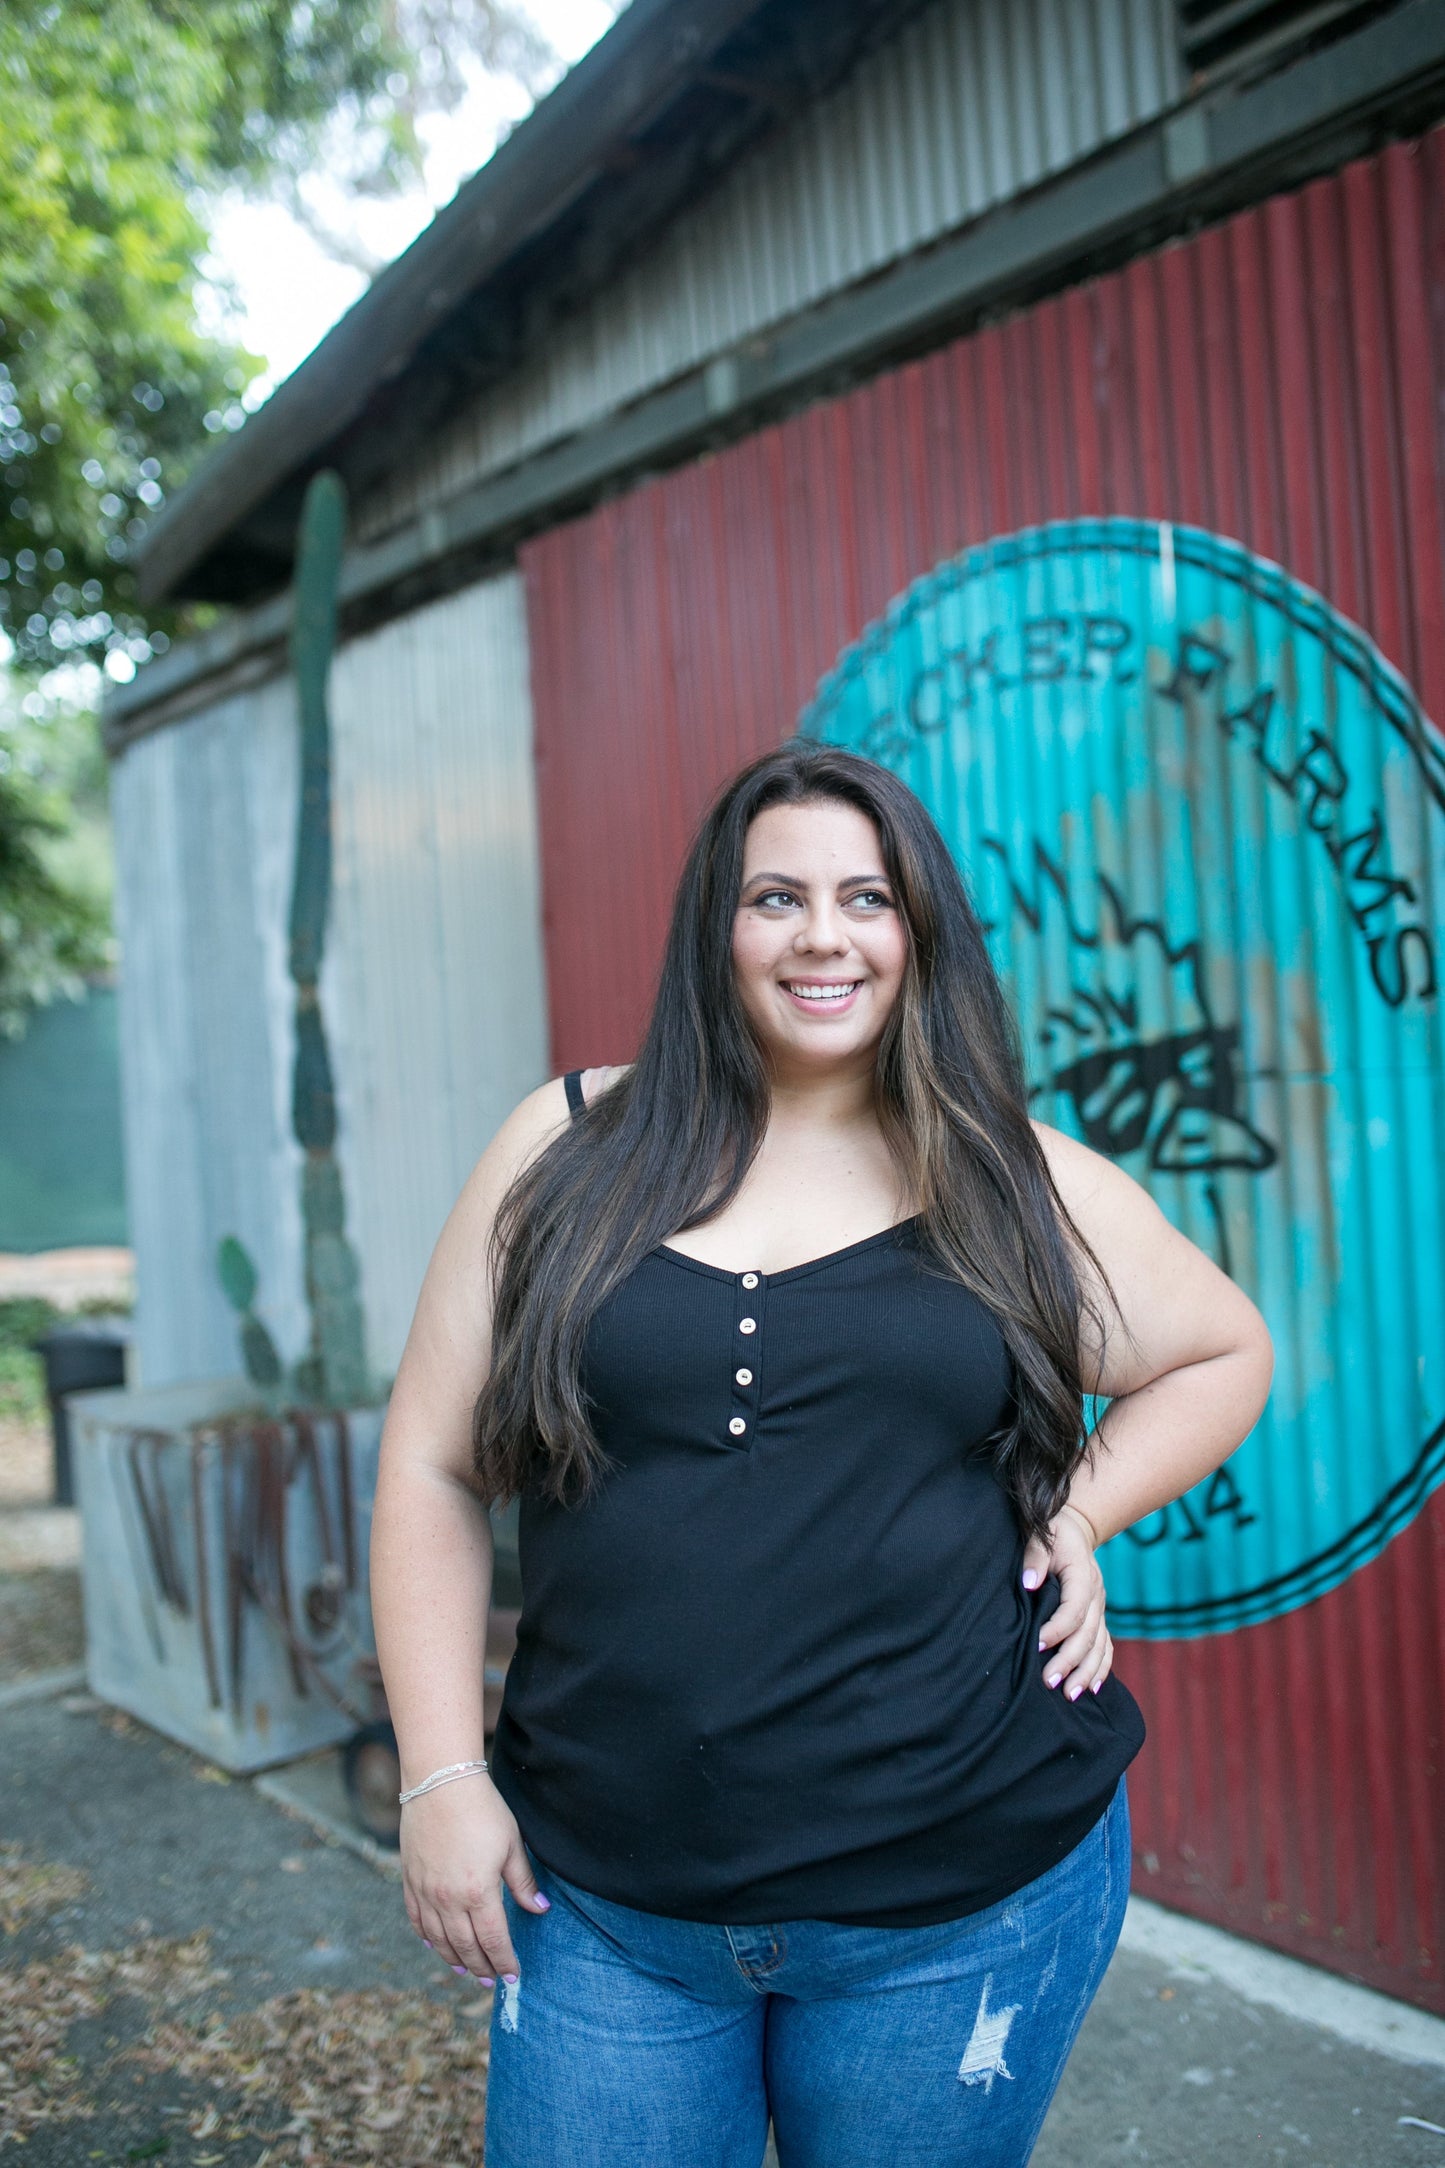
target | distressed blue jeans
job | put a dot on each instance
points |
(636, 2041)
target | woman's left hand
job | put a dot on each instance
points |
(1079, 1648)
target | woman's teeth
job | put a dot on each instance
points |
(825, 993)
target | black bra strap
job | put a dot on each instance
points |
(573, 1084)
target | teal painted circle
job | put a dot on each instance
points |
(1203, 821)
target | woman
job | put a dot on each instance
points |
(781, 1335)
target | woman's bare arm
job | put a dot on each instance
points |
(1186, 1384)
(1189, 1380)
(431, 1574)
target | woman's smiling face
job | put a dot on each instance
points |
(819, 945)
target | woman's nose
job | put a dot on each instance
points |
(823, 930)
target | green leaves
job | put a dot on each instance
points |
(51, 933)
(105, 376)
(120, 123)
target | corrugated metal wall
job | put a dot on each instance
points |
(204, 817)
(998, 94)
(432, 982)
(436, 1008)
(1204, 821)
(1279, 380)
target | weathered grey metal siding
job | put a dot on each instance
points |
(203, 819)
(432, 980)
(974, 102)
(434, 986)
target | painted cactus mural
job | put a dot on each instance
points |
(334, 1371)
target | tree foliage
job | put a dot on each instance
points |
(119, 121)
(55, 855)
(52, 931)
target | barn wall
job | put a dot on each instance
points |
(998, 95)
(203, 820)
(432, 982)
(1278, 382)
(436, 995)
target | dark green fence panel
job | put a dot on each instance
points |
(61, 1182)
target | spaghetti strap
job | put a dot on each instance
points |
(572, 1082)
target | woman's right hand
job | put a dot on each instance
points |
(459, 1844)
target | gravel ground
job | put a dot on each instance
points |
(69, 1277)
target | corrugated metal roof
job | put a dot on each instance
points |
(630, 134)
(972, 103)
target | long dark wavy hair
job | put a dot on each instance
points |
(669, 1145)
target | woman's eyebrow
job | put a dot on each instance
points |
(791, 880)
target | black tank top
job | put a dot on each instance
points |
(782, 1665)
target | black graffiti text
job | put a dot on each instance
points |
(1082, 647)
(1185, 1519)
(1038, 651)
(1401, 957)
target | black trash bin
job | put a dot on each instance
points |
(79, 1357)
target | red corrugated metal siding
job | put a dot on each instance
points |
(1280, 380)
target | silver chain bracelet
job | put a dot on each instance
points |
(449, 1775)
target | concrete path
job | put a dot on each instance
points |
(128, 1848)
(1176, 2067)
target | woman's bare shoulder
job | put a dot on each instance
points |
(527, 1131)
(1101, 1199)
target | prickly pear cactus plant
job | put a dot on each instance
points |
(335, 1371)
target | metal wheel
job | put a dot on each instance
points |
(371, 1768)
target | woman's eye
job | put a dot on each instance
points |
(777, 896)
(873, 897)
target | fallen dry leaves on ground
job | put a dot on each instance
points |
(29, 1888)
(38, 2005)
(332, 2080)
(359, 2076)
(39, 2083)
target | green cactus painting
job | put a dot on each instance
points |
(336, 1370)
(333, 1371)
(237, 1275)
